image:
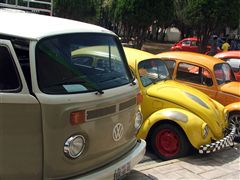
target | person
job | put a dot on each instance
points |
(214, 46)
(233, 44)
(225, 45)
(219, 42)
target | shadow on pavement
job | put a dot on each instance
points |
(215, 159)
(139, 176)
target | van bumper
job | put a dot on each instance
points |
(119, 167)
(227, 141)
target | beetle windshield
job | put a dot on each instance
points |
(234, 63)
(81, 62)
(152, 71)
(223, 73)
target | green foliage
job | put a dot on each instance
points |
(132, 18)
(138, 15)
(212, 14)
(83, 10)
(206, 17)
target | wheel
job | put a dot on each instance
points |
(169, 142)
(235, 119)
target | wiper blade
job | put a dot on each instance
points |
(132, 81)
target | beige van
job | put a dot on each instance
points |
(62, 115)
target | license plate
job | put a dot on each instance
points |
(120, 172)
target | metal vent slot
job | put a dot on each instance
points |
(127, 104)
(101, 112)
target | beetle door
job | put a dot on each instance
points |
(197, 77)
(20, 125)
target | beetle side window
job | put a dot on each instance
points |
(9, 80)
(195, 43)
(194, 74)
(186, 43)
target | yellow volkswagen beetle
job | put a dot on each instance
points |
(176, 117)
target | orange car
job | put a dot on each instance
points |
(233, 58)
(211, 75)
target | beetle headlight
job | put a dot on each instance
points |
(74, 146)
(138, 120)
(205, 130)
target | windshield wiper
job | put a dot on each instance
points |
(132, 81)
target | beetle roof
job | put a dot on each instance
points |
(228, 54)
(134, 56)
(35, 26)
(191, 57)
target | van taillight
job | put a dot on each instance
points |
(77, 117)
(139, 98)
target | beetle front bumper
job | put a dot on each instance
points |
(227, 141)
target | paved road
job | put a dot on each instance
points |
(224, 165)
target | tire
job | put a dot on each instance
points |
(235, 119)
(169, 142)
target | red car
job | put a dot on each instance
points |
(233, 58)
(187, 44)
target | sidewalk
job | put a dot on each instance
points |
(224, 164)
(156, 48)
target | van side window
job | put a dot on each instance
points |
(194, 74)
(9, 80)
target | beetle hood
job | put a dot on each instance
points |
(232, 88)
(193, 100)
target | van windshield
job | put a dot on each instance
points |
(81, 62)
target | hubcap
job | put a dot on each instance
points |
(167, 142)
(235, 119)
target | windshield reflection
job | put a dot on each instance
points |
(152, 71)
(80, 63)
(223, 73)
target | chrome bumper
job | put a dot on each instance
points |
(112, 170)
(220, 144)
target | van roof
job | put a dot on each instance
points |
(35, 26)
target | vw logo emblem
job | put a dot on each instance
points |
(117, 132)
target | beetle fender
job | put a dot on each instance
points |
(233, 107)
(191, 124)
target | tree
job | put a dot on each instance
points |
(132, 18)
(82, 10)
(207, 16)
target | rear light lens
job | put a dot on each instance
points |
(77, 117)
(74, 146)
(139, 98)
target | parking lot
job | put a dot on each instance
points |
(224, 164)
